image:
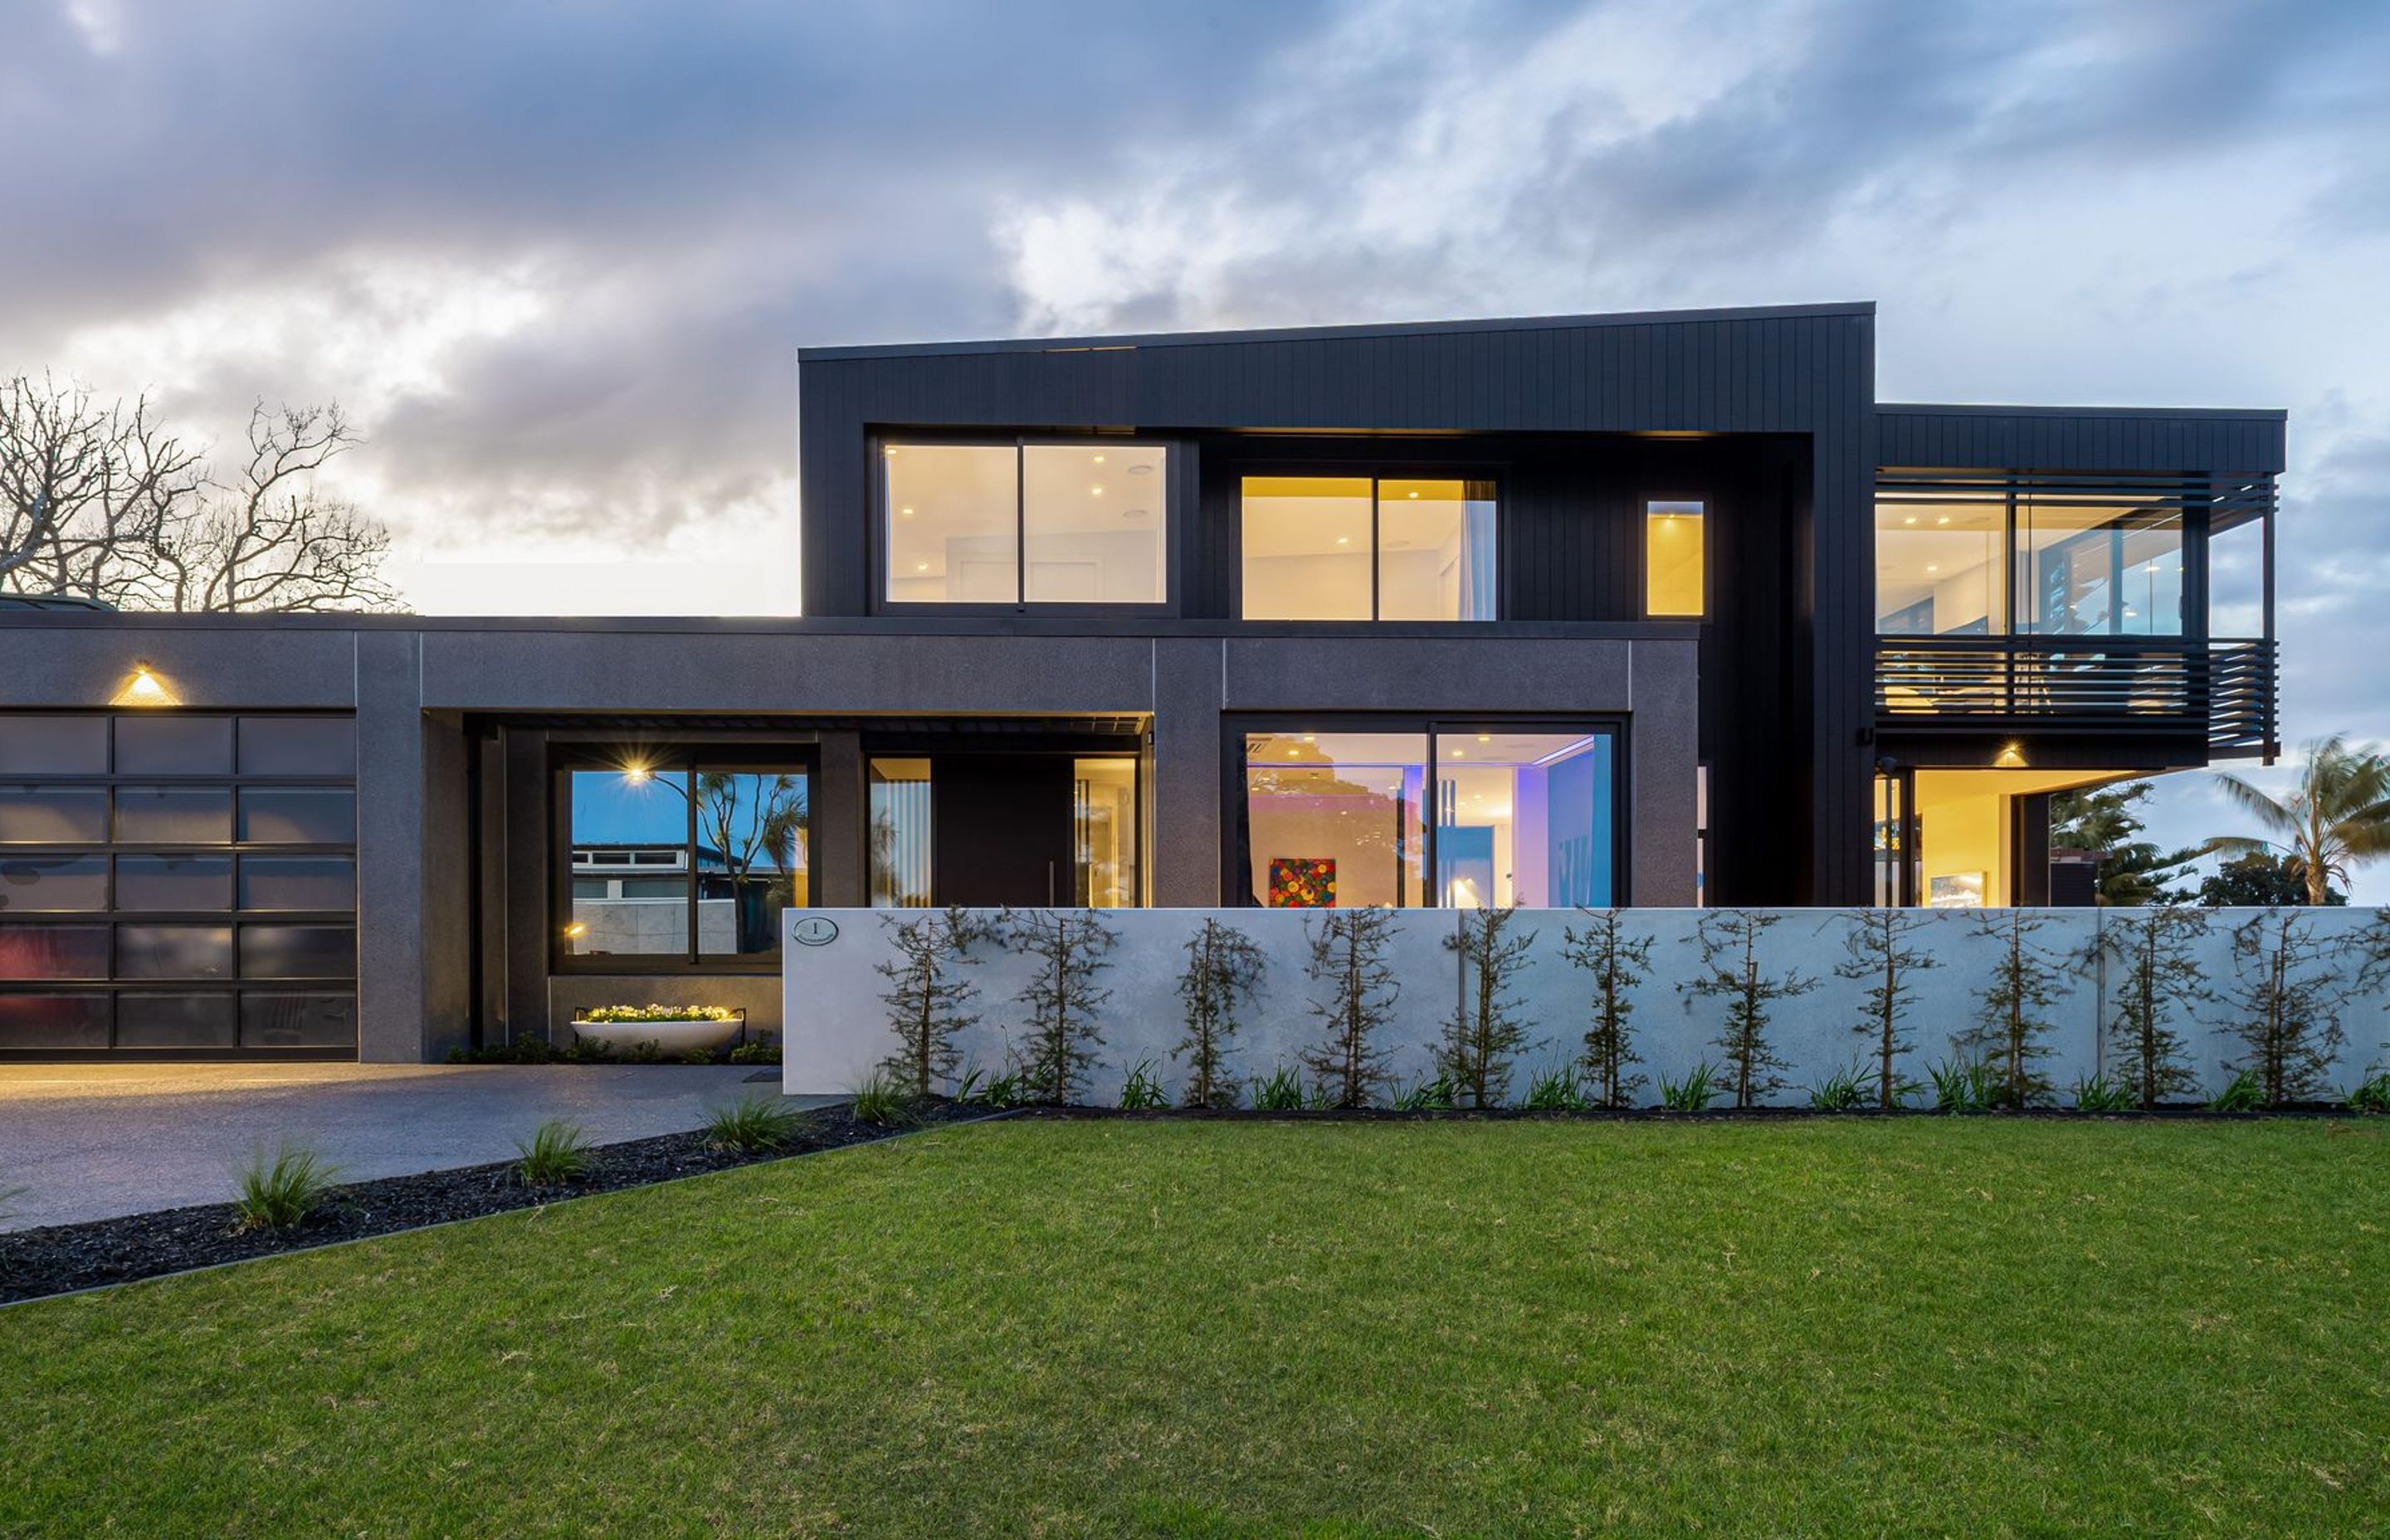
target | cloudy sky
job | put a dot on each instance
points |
(557, 258)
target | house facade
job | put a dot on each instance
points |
(1654, 609)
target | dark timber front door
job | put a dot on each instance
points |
(1003, 828)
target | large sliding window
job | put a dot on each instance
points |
(1452, 815)
(178, 882)
(676, 860)
(1367, 548)
(2026, 557)
(1080, 523)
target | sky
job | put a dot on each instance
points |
(556, 258)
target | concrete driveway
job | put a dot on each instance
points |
(89, 1141)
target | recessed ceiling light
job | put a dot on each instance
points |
(1931, 567)
(1414, 493)
(1943, 520)
(1455, 753)
(1910, 520)
(1343, 539)
(921, 567)
(1099, 459)
(1485, 737)
(1095, 491)
(906, 512)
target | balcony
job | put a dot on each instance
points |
(2222, 690)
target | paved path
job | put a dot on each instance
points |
(87, 1141)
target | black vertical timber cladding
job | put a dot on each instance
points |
(2051, 438)
(1806, 372)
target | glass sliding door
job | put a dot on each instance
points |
(1455, 817)
(1103, 833)
(1523, 819)
(1336, 819)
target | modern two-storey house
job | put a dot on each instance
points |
(1658, 610)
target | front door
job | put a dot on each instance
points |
(1003, 826)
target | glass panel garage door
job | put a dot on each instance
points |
(178, 883)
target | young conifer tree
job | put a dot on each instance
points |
(929, 1000)
(1878, 953)
(2158, 978)
(1223, 967)
(2013, 1020)
(1618, 963)
(1730, 971)
(1062, 997)
(1348, 955)
(1485, 1033)
(2286, 1000)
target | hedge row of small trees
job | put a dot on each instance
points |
(2285, 998)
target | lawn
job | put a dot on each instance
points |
(1827, 1327)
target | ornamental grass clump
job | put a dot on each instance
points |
(1281, 1092)
(1846, 1090)
(2370, 1094)
(556, 1153)
(1964, 1085)
(1428, 1096)
(1559, 1089)
(1699, 1088)
(2099, 1094)
(882, 1100)
(1143, 1092)
(753, 1124)
(279, 1192)
(2245, 1094)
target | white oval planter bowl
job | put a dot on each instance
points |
(671, 1039)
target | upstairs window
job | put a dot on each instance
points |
(1034, 523)
(1675, 561)
(1966, 555)
(1366, 548)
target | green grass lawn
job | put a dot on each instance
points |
(1820, 1326)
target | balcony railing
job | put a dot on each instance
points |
(2223, 689)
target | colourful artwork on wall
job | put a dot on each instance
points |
(1302, 882)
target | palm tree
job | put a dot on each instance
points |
(2338, 815)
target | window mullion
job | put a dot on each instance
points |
(690, 771)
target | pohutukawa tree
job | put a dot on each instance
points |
(1223, 969)
(2157, 981)
(1618, 962)
(2013, 1021)
(929, 998)
(1485, 1033)
(1877, 953)
(1730, 971)
(1348, 955)
(100, 502)
(1062, 997)
(2286, 997)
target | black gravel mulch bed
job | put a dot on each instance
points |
(59, 1259)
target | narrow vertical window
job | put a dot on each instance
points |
(901, 876)
(1676, 565)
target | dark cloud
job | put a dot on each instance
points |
(683, 194)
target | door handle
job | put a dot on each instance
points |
(1050, 884)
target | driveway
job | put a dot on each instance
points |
(89, 1141)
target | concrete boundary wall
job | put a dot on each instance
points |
(837, 1028)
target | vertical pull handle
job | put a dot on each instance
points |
(1050, 884)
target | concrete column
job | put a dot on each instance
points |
(1185, 788)
(841, 814)
(447, 886)
(1664, 751)
(525, 832)
(390, 950)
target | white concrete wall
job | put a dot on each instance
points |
(836, 1027)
